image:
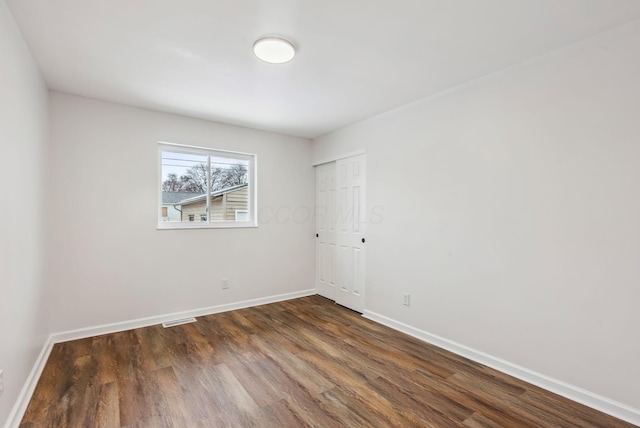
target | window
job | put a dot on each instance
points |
(216, 186)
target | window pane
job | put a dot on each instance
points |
(242, 215)
(229, 188)
(184, 184)
(206, 188)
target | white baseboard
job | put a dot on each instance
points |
(159, 319)
(15, 417)
(27, 390)
(582, 396)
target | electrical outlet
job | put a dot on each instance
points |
(1, 381)
(406, 299)
(225, 283)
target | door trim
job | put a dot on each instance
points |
(339, 157)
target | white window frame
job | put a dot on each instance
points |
(252, 188)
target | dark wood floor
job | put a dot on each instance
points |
(305, 362)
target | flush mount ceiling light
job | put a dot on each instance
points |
(274, 50)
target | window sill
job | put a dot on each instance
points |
(183, 226)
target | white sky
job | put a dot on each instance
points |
(178, 163)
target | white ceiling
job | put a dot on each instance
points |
(356, 59)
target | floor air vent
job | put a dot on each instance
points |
(178, 322)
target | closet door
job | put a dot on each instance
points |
(350, 233)
(326, 230)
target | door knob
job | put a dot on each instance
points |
(363, 240)
(317, 235)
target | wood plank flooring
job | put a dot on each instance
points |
(304, 362)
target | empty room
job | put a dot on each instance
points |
(418, 213)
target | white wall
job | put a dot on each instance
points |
(110, 264)
(23, 146)
(512, 213)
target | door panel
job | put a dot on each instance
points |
(325, 229)
(351, 229)
(340, 226)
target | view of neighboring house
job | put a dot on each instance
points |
(230, 204)
(171, 210)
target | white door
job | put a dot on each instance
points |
(326, 230)
(350, 237)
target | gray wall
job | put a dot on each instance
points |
(512, 213)
(24, 127)
(123, 268)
